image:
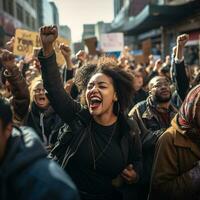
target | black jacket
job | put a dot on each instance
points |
(78, 118)
(139, 96)
(181, 82)
(26, 173)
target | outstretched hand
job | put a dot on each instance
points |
(48, 34)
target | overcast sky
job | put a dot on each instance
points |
(75, 13)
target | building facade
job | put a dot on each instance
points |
(55, 13)
(17, 13)
(45, 14)
(27, 14)
(155, 24)
(65, 32)
(88, 31)
(101, 27)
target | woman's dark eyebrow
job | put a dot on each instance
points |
(99, 83)
(102, 82)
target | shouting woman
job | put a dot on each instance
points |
(100, 148)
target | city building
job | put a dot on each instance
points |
(16, 13)
(118, 4)
(88, 31)
(55, 13)
(101, 27)
(45, 13)
(65, 32)
(91, 35)
(153, 25)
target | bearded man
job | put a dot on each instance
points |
(153, 117)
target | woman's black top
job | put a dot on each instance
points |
(109, 165)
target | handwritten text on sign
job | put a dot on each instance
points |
(26, 41)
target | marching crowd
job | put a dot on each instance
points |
(98, 128)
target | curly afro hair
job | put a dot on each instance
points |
(122, 80)
(84, 74)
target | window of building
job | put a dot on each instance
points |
(4, 5)
(33, 23)
(32, 3)
(8, 6)
(11, 6)
(20, 12)
(27, 18)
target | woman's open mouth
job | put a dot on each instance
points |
(95, 102)
(41, 100)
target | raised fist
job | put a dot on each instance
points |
(7, 59)
(48, 35)
(182, 39)
(157, 65)
(65, 50)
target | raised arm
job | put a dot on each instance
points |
(180, 76)
(68, 69)
(62, 103)
(154, 72)
(18, 86)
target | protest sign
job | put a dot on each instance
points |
(91, 44)
(112, 42)
(26, 41)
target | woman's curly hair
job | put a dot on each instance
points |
(83, 75)
(122, 80)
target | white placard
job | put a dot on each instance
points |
(111, 42)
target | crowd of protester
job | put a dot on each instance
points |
(98, 128)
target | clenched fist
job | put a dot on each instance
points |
(182, 39)
(7, 59)
(48, 35)
(129, 174)
(65, 50)
(158, 65)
